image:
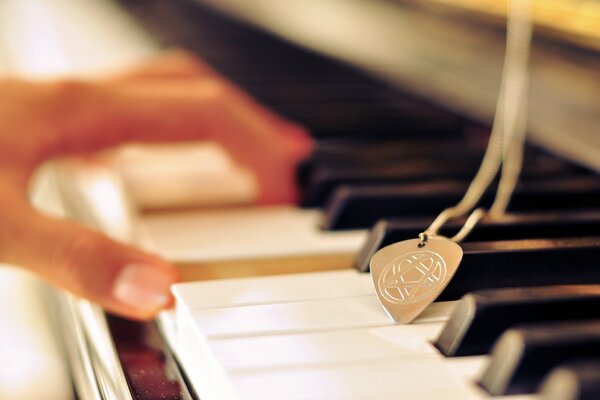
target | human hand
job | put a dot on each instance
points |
(176, 97)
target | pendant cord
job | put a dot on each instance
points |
(506, 143)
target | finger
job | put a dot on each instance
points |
(122, 279)
(270, 146)
(201, 109)
(171, 64)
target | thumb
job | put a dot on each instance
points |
(121, 278)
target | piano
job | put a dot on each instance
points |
(520, 320)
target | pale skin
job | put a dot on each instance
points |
(172, 98)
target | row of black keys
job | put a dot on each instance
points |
(529, 332)
(357, 193)
(519, 252)
(552, 239)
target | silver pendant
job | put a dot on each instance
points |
(408, 278)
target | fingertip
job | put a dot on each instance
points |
(144, 289)
(299, 141)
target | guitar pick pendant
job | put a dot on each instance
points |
(408, 278)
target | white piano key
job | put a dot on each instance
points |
(236, 335)
(273, 289)
(435, 312)
(295, 317)
(199, 174)
(319, 348)
(467, 368)
(423, 379)
(428, 330)
(215, 365)
(244, 233)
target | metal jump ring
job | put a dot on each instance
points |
(424, 237)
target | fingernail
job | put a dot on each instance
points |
(143, 287)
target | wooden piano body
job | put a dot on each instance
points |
(414, 142)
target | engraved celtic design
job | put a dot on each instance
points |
(411, 277)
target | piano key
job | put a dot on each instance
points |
(232, 294)
(523, 356)
(362, 206)
(323, 179)
(521, 263)
(267, 240)
(482, 316)
(254, 353)
(321, 348)
(464, 144)
(356, 153)
(201, 348)
(505, 227)
(358, 118)
(273, 289)
(422, 378)
(360, 154)
(578, 380)
(293, 317)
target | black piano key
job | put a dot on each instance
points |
(360, 207)
(525, 263)
(522, 263)
(578, 380)
(523, 356)
(482, 316)
(368, 154)
(324, 180)
(360, 156)
(342, 153)
(506, 227)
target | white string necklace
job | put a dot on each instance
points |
(409, 275)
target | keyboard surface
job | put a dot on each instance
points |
(381, 154)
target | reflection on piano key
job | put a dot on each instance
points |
(304, 316)
(391, 379)
(274, 289)
(320, 347)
